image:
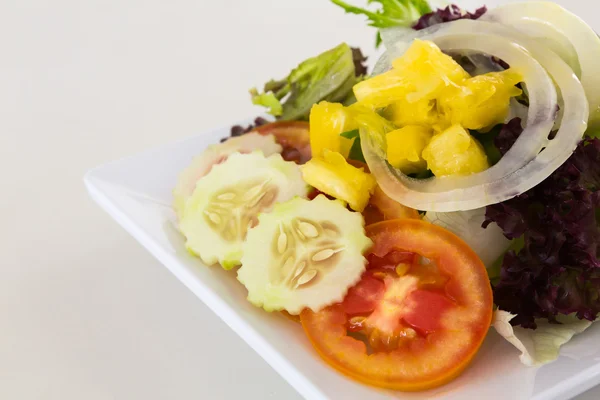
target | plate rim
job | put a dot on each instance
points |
(282, 365)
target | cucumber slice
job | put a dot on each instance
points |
(227, 201)
(215, 154)
(564, 33)
(304, 254)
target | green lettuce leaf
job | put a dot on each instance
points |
(542, 345)
(268, 100)
(356, 149)
(391, 13)
(329, 76)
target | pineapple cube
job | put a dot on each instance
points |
(423, 112)
(405, 147)
(455, 152)
(429, 69)
(482, 101)
(381, 90)
(332, 175)
(421, 73)
(371, 122)
(327, 122)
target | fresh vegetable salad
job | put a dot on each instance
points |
(400, 214)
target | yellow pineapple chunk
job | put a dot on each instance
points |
(369, 119)
(455, 152)
(381, 90)
(327, 121)
(423, 112)
(405, 148)
(482, 101)
(428, 69)
(421, 73)
(332, 175)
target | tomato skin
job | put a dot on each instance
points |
(452, 327)
(383, 208)
(293, 136)
(391, 209)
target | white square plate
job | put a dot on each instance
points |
(136, 192)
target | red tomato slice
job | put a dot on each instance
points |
(426, 309)
(389, 208)
(293, 136)
(426, 325)
(372, 215)
(391, 260)
(362, 298)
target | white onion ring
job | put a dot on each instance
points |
(564, 33)
(523, 166)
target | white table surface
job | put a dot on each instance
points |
(85, 312)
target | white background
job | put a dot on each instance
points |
(85, 312)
